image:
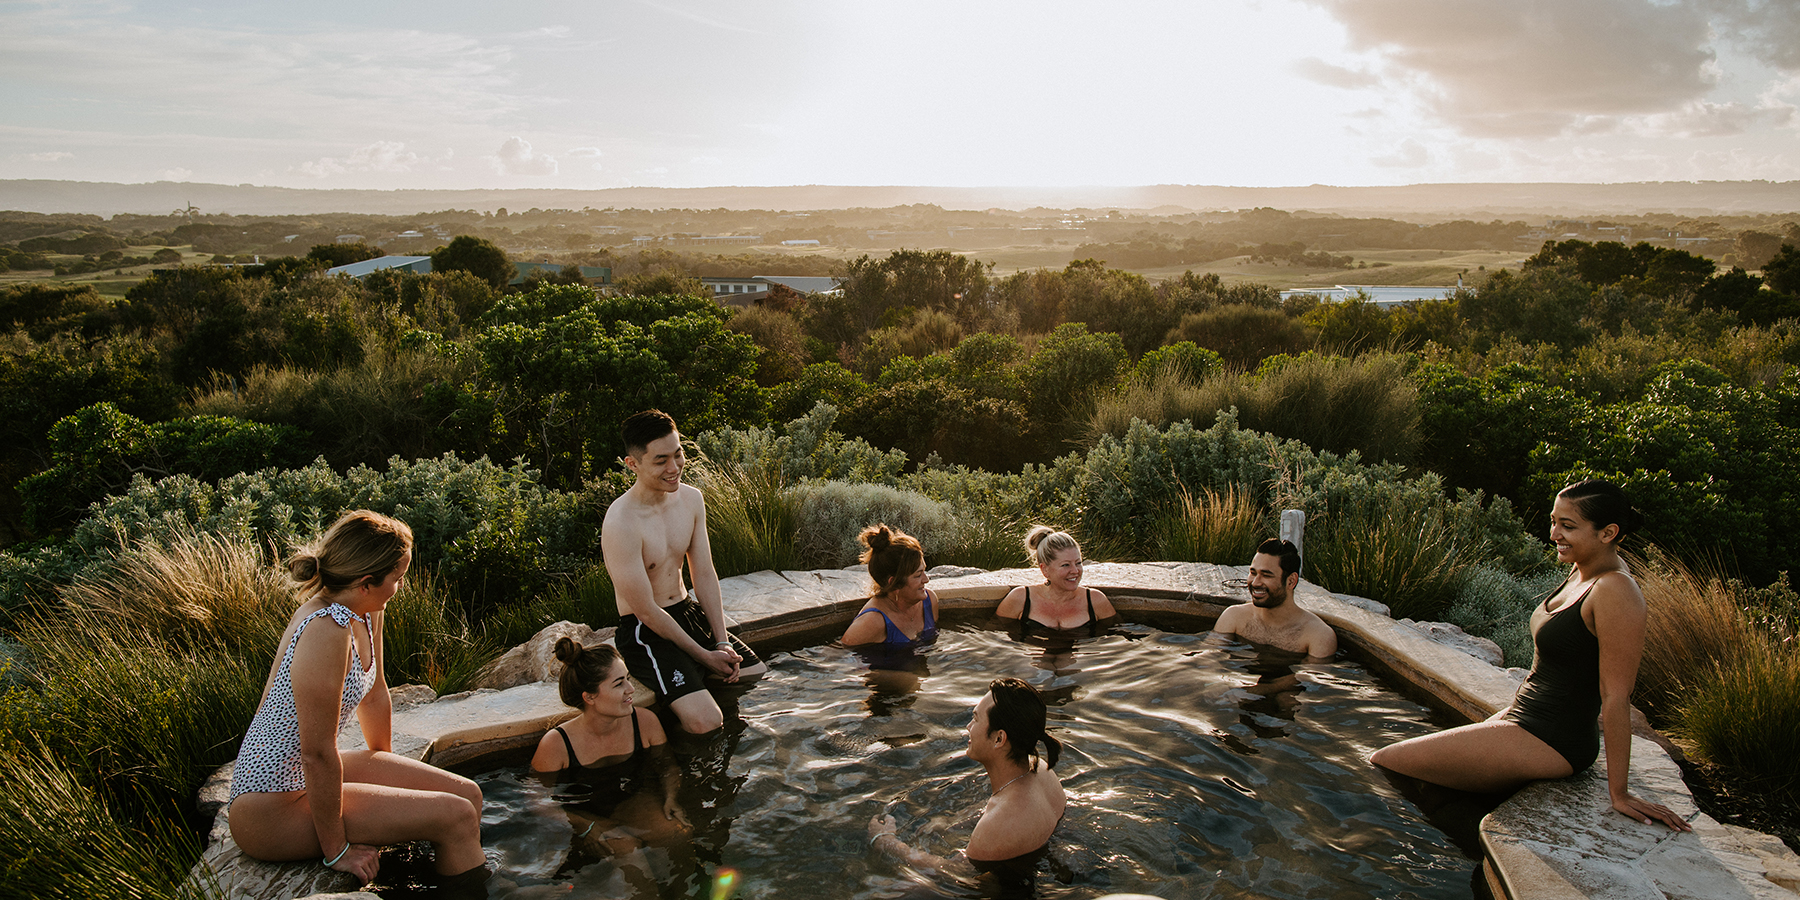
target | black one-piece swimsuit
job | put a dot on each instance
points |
(1559, 703)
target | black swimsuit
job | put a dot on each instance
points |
(1559, 703)
(602, 788)
(1027, 626)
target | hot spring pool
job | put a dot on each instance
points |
(1193, 770)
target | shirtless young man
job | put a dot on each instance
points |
(1272, 617)
(671, 638)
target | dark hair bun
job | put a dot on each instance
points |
(876, 537)
(304, 568)
(568, 649)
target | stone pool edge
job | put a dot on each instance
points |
(1551, 841)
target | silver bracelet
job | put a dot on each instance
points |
(879, 835)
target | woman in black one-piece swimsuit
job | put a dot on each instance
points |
(608, 763)
(1588, 637)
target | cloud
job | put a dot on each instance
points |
(1409, 154)
(1768, 29)
(51, 156)
(1703, 119)
(381, 156)
(515, 157)
(1533, 68)
(177, 174)
(1312, 68)
(586, 151)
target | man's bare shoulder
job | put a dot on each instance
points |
(1231, 619)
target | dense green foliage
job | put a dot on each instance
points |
(1153, 419)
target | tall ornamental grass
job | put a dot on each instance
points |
(1694, 625)
(428, 639)
(63, 840)
(751, 517)
(1221, 527)
(1389, 550)
(1739, 717)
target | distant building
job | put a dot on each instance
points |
(745, 290)
(418, 264)
(1381, 295)
(349, 238)
(800, 243)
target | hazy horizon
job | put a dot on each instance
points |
(706, 93)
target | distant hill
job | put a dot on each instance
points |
(1436, 200)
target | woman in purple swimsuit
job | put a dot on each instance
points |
(1588, 636)
(905, 611)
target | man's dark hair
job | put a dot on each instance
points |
(643, 427)
(1283, 550)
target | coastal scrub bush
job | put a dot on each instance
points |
(1497, 605)
(412, 403)
(833, 513)
(492, 532)
(806, 447)
(1365, 404)
(1711, 465)
(96, 451)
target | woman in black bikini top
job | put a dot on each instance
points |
(1588, 638)
(601, 760)
(1060, 603)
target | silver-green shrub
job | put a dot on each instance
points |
(1497, 605)
(833, 513)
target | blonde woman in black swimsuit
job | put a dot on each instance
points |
(1588, 636)
(610, 765)
(1060, 603)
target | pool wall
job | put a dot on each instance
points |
(1552, 840)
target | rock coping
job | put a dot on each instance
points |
(1553, 840)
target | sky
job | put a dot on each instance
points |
(591, 94)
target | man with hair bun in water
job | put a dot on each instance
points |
(672, 637)
(1026, 799)
(1272, 617)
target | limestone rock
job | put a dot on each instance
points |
(535, 660)
(1380, 609)
(1451, 636)
(238, 877)
(952, 571)
(407, 696)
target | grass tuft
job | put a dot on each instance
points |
(751, 517)
(65, 841)
(1214, 526)
(1409, 559)
(1694, 625)
(1739, 716)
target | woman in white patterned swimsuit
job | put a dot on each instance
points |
(294, 795)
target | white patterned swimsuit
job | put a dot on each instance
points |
(269, 759)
